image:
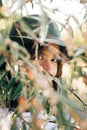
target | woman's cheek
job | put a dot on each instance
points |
(50, 68)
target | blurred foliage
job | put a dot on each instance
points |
(71, 97)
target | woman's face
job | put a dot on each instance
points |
(48, 60)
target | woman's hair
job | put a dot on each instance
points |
(59, 68)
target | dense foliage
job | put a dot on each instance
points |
(71, 97)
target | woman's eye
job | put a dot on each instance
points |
(40, 57)
(54, 60)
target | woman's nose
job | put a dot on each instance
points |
(46, 65)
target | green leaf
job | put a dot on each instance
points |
(46, 104)
(17, 92)
(60, 116)
(10, 85)
(84, 59)
(14, 127)
(23, 126)
(1, 60)
(79, 70)
(2, 78)
(32, 5)
(0, 2)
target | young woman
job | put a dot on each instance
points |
(49, 57)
